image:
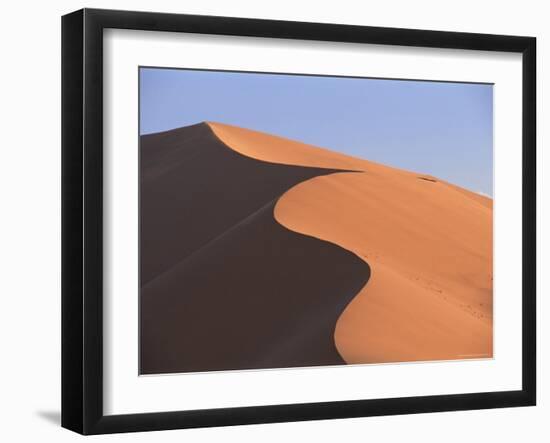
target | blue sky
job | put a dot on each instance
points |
(438, 128)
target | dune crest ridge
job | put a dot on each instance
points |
(275, 149)
(219, 276)
(428, 244)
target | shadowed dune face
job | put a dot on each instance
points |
(246, 301)
(223, 285)
(428, 243)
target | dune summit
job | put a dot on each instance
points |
(223, 284)
(358, 262)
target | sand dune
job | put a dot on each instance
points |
(223, 285)
(193, 188)
(428, 243)
(262, 252)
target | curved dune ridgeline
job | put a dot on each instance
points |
(430, 293)
(223, 284)
(193, 188)
(428, 244)
(260, 296)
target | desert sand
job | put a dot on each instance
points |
(224, 286)
(428, 244)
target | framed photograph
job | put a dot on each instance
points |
(269, 221)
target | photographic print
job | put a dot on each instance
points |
(294, 221)
(271, 221)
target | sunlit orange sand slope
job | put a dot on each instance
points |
(428, 244)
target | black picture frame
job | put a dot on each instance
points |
(82, 220)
